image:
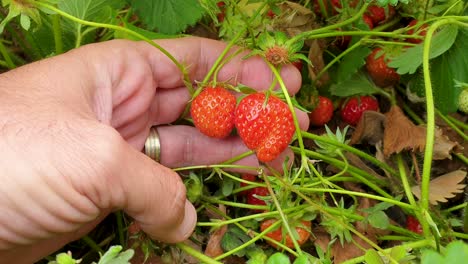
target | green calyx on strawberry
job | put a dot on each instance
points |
(278, 49)
(212, 111)
(352, 109)
(265, 124)
(378, 69)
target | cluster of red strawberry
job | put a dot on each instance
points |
(263, 121)
(302, 228)
(350, 112)
(376, 64)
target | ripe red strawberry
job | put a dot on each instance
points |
(222, 7)
(368, 20)
(271, 14)
(213, 111)
(422, 31)
(258, 191)
(265, 125)
(413, 224)
(379, 14)
(353, 108)
(322, 113)
(381, 74)
(298, 64)
(302, 229)
(247, 177)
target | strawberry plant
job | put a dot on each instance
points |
(383, 181)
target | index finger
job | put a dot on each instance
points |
(199, 55)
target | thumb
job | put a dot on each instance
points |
(155, 197)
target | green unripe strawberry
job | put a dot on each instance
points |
(463, 101)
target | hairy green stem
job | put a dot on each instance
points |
(221, 166)
(430, 134)
(405, 182)
(120, 227)
(57, 29)
(362, 176)
(309, 34)
(452, 125)
(234, 204)
(459, 123)
(461, 157)
(197, 254)
(355, 151)
(456, 207)
(293, 112)
(282, 215)
(92, 244)
(230, 45)
(249, 217)
(351, 193)
(412, 114)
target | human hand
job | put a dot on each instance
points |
(72, 128)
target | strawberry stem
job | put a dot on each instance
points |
(282, 215)
(430, 110)
(197, 254)
(293, 112)
(231, 44)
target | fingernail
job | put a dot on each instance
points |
(190, 220)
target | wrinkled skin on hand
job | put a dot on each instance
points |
(72, 128)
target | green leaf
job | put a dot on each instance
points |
(63, 258)
(25, 22)
(13, 12)
(444, 70)
(378, 207)
(410, 60)
(455, 253)
(256, 256)
(372, 257)
(351, 63)
(234, 238)
(398, 253)
(379, 220)
(227, 186)
(114, 256)
(302, 259)
(359, 84)
(102, 11)
(278, 258)
(194, 186)
(168, 16)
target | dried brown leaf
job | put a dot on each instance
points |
(213, 248)
(443, 146)
(340, 253)
(443, 187)
(401, 134)
(316, 57)
(370, 128)
(293, 19)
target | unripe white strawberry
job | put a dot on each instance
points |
(463, 101)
